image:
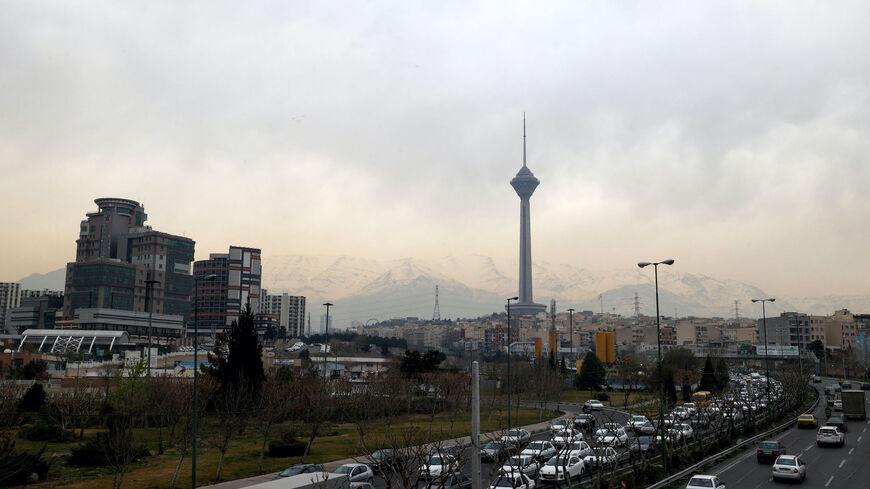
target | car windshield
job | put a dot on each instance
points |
(292, 471)
(638, 418)
(515, 461)
(769, 444)
(785, 461)
(514, 433)
(584, 416)
(700, 482)
(506, 482)
(563, 433)
(557, 461)
(828, 431)
(644, 440)
(344, 469)
(434, 460)
(577, 446)
(492, 445)
(835, 420)
(806, 416)
(536, 445)
(601, 452)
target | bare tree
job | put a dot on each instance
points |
(184, 437)
(77, 406)
(273, 404)
(231, 404)
(314, 397)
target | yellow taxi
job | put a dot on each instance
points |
(807, 421)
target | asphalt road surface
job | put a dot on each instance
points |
(827, 467)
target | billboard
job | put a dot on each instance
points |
(779, 351)
(185, 368)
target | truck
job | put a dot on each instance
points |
(854, 404)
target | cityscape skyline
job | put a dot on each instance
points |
(653, 138)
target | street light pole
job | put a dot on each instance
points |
(661, 379)
(209, 278)
(149, 285)
(326, 349)
(766, 346)
(571, 334)
(509, 356)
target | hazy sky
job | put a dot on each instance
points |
(732, 137)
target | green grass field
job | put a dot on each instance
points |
(243, 454)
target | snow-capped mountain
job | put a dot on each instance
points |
(473, 285)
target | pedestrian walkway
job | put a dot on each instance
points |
(330, 466)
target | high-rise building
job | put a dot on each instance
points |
(237, 283)
(123, 265)
(10, 297)
(290, 310)
(525, 183)
(34, 312)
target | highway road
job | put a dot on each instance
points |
(827, 467)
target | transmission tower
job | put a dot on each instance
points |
(436, 315)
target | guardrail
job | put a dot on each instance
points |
(728, 451)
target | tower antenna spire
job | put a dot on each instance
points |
(524, 139)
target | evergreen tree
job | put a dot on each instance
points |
(592, 374)
(670, 389)
(721, 375)
(708, 378)
(237, 359)
(33, 399)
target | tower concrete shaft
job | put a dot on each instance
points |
(524, 184)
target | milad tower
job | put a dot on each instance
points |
(525, 184)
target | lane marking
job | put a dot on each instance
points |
(808, 447)
(864, 431)
(859, 438)
(829, 481)
(851, 450)
(841, 463)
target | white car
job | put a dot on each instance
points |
(681, 412)
(516, 437)
(838, 405)
(789, 467)
(521, 464)
(435, 465)
(559, 425)
(601, 456)
(593, 405)
(686, 431)
(671, 419)
(566, 436)
(517, 481)
(611, 436)
(830, 435)
(562, 468)
(355, 473)
(635, 422)
(705, 482)
(541, 450)
(691, 407)
(578, 448)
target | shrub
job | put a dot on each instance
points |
(17, 466)
(602, 396)
(281, 448)
(94, 452)
(42, 431)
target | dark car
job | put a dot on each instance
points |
(768, 451)
(496, 451)
(642, 444)
(585, 422)
(386, 460)
(839, 422)
(301, 469)
(865, 387)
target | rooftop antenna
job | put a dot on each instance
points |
(524, 139)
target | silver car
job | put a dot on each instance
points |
(789, 467)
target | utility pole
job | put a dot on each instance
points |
(475, 425)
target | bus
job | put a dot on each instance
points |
(702, 398)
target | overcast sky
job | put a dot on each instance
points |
(732, 137)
